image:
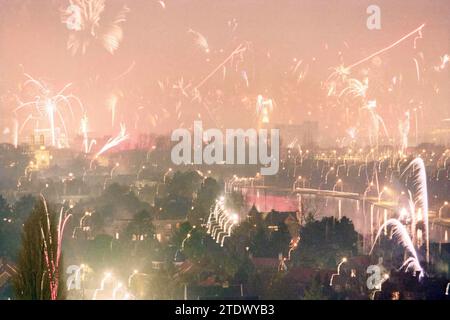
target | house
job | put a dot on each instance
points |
(165, 228)
(274, 219)
(266, 264)
(7, 271)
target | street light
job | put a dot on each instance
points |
(165, 174)
(86, 214)
(344, 260)
(113, 169)
(185, 239)
(441, 208)
(116, 289)
(107, 275)
(188, 236)
(326, 176)
(130, 278)
(233, 218)
(235, 222)
(139, 172)
(219, 225)
(339, 169)
(298, 180)
(385, 189)
(339, 182)
(293, 246)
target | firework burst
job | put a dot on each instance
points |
(47, 106)
(84, 19)
(419, 198)
(400, 234)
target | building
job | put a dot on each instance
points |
(45, 137)
(165, 228)
(42, 158)
(7, 271)
(441, 134)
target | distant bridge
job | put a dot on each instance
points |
(287, 203)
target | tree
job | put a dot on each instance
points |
(5, 209)
(235, 201)
(11, 220)
(325, 242)
(40, 273)
(206, 197)
(315, 291)
(23, 207)
(184, 184)
(280, 288)
(180, 233)
(141, 225)
(8, 230)
(279, 242)
(260, 243)
(117, 201)
(9, 238)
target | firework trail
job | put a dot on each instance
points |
(83, 18)
(356, 88)
(200, 40)
(297, 72)
(417, 30)
(16, 133)
(444, 61)
(87, 145)
(112, 106)
(193, 92)
(375, 121)
(341, 72)
(113, 142)
(239, 50)
(179, 85)
(408, 214)
(404, 127)
(417, 69)
(400, 233)
(297, 65)
(162, 4)
(127, 71)
(52, 251)
(245, 77)
(263, 108)
(352, 131)
(338, 75)
(419, 197)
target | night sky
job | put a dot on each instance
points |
(158, 53)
